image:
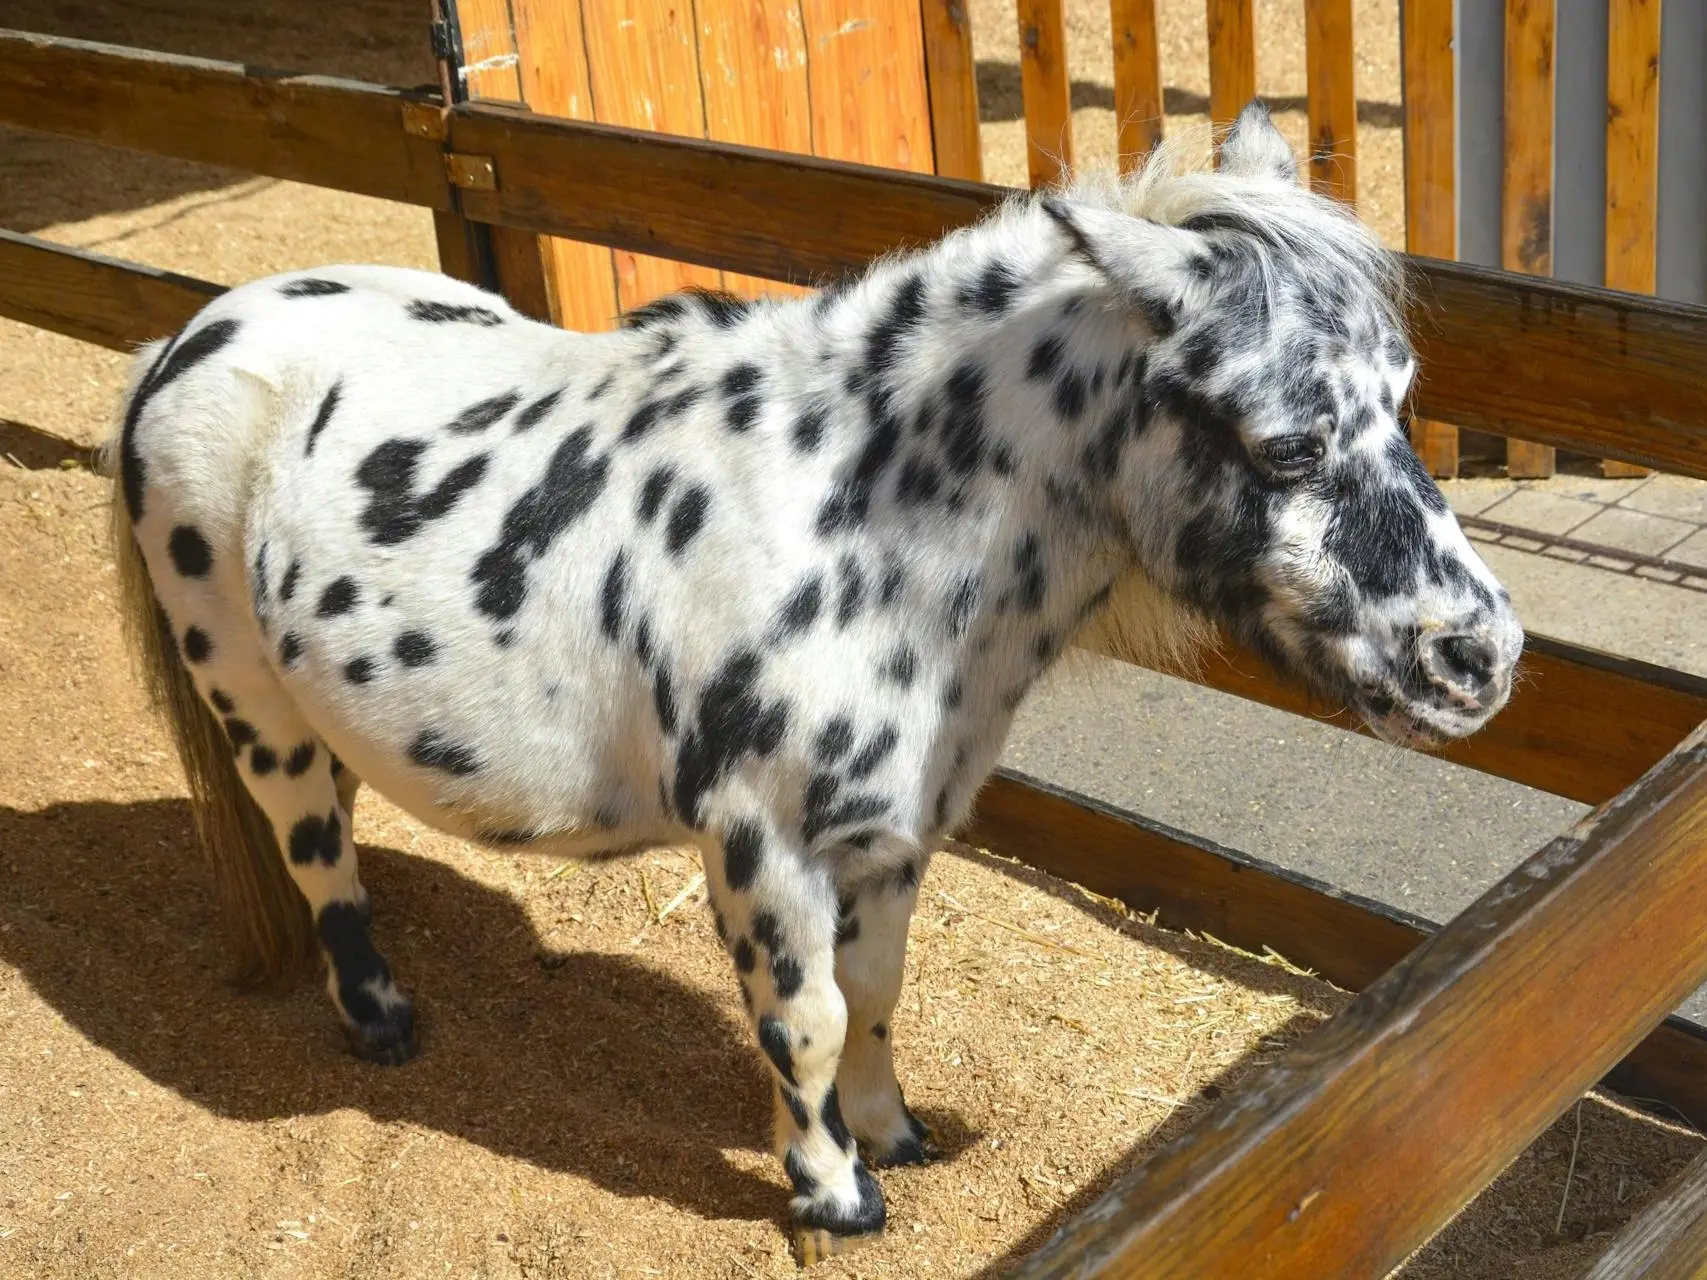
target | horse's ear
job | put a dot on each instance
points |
(1253, 148)
(1150, 265)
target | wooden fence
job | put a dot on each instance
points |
(893, 83)
(1482, 154)
(1331, 1162)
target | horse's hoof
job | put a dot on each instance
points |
(918, 1147)
(387, 1044)
(814, 1244)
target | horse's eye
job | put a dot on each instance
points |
(1292, 453)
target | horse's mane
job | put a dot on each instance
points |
(1178, 185)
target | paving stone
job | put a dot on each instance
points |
(1541, 511)
(1678, 497)
(1633, 531)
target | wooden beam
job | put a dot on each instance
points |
(1331, 85)
(1232, 57)
(1526, 190)
(1668, 1239)
(1431, 172)
(1190, 883)
(795, 218)
(1138, 109)
(1047, 89)
(1632, 155)
(315, 129)
(1605, 373)
(1580, 723)
(1371, 1133)
(94, 298)
(951, 74)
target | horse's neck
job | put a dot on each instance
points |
(1049, 415)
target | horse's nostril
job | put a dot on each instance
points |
(1466, 661)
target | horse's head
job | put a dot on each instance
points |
(1271, 484)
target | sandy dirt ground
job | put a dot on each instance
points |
(587, 1103)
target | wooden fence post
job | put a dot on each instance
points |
(1632, 155)
(1138, 108)
(1431, 173)
(1526, 193)
(1331, 80)
(1232, 57)
(951, 75)
(1047, 90)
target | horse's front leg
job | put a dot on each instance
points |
(778, 916)
(871, 957)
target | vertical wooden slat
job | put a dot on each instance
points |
(643, 64)
(1047, 90)
(1431, 173)
(490, 70)
(1331, 77)
(1526, 196)
(951, 76)
(752, 70)
(554, 80)
(865, 60)
(1138, 110)
(1232, 57)
(1632, 154)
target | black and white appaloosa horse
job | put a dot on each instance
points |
(771, 579)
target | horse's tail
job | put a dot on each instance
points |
(265, 915)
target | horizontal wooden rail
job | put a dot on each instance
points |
(1191, 883)
(316, 129)
(1668, 1239)
(1607, 373)
(1581, 724)
(94, 298)
(1371, 1133)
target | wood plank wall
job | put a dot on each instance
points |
(883, 82)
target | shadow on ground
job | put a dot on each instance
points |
(596, 1065)
(1000, 98)
(46, 180)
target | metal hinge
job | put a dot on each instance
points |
(444, 42)
(471, 172)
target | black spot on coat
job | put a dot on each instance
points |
(414, 649)
(191, 555)
(395, 511)
(340, 596)
(432, 750)
(178, 359)
(316, 838)
(197, 646)
(572, 482)
(687, 517)
(323, 415)
(313, 287)
(483, 413)
(453, 313)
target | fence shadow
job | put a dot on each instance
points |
(1001, 99)
(585, 1063)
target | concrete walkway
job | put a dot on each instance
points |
(1405, 829)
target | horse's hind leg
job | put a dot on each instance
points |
(290, 773)
(871, 955)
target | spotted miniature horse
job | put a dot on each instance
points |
(772, 578)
